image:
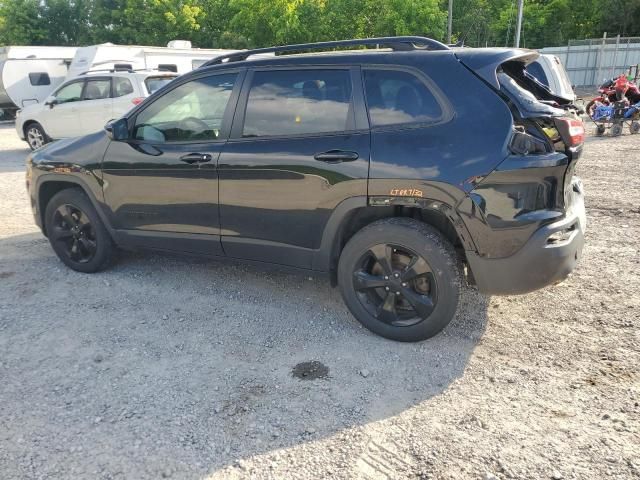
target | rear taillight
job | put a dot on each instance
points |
(524, 144)
(137, 100)
(571, 130)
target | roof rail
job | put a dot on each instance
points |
(395, 43)
(162, 70)
(110, 70)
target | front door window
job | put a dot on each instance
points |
(70, 93)
(194, 111)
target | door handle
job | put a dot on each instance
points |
(336, 156)
(196, 158)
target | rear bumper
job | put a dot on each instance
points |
(541, 261)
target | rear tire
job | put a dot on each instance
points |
(400, 279)
(76, 233)
(35, 135)
(616, 130)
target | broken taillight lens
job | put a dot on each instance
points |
(571, 130)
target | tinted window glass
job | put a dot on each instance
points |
(167, 67)
(122, 86)
(296, 102)
(69, 93)
(197, 63)
(156, 83)
(38, 79)
(192, 111)
(395, 97)
(537, 71)
(97, 89)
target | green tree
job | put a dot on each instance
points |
(621, 17)
(155, 22)
(22, 23)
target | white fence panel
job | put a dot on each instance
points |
(591, 62)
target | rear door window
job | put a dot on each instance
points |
(97, 89)
(295, 102)
(398, 97)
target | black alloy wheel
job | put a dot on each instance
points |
(400, 278)
(76, 232)
(395, 285)
(72, 229)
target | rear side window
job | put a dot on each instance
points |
(293, 102)
(397, 97)
(39, 79)
(97, 89)
(122, 86)
(156, 83)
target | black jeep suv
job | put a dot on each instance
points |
(397, 170)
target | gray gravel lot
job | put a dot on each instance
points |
(167, 367)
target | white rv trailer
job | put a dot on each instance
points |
(177, 56)
(29, 74)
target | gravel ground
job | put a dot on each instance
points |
(177, 367)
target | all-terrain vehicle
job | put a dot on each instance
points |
(399, 170)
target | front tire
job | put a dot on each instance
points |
(400, 279)
(76, 233)
(35, 135)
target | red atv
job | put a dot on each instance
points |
(612, 91)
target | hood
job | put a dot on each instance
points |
(85, 152)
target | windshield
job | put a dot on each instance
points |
(156, 83)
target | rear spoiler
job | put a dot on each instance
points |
(485, 62)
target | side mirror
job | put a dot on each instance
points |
(117, 129)
(51, 103)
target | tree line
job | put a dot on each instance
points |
(257, 23)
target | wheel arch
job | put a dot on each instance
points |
(356, 213)
(30, 122)
(50, 185)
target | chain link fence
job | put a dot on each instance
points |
(590, 62)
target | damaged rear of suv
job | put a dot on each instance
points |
(528, 214)
(386, 168)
